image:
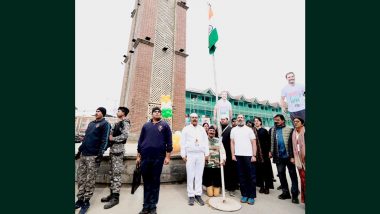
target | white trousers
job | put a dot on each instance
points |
(194, 169)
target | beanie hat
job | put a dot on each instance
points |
(156, 108)
(103, 110)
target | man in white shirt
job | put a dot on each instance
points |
(243, 150)
(194, 151)
(295, 97)
(223, 108)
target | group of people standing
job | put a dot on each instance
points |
(244, 150)
(153, 151)
(250, 147)
(100, 136)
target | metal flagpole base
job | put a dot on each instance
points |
(228, 204)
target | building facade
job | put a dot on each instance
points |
(202, 102)
(155, 63)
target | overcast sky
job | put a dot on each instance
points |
(259, 41)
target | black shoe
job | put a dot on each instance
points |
(198, 198)
(153, 211)
(86, 205)
(79, 203)
(279, 187)
(191, 201)
(284, 196)
(144, 211)
(266, 191)
(262, 190)
(114, 200)
(107, 198)
(295, 200)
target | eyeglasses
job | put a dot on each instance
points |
(155, 111)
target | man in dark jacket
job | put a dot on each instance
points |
(153, 150)
(230, 168)
(90, 155)
(282, 153)
(117, 139)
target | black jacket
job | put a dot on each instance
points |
(96, 138)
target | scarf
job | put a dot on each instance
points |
(259, 154)
(299, 156)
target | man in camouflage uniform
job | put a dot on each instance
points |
(118, 137)
(211, 176)
(90, 155)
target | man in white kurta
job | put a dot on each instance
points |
(194, 150)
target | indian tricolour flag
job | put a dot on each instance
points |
(212, 32)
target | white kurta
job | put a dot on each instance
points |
(194, 146)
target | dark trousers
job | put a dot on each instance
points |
(247, 176)
(281, 167)
(264, 174)
(231, 175)
(151, 169)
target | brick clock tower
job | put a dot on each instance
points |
(155, 64)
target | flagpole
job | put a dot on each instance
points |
(218, 126)
(220, 203)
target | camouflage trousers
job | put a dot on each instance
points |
(116, 169)
(87, 171)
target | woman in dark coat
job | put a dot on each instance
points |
(264, 178)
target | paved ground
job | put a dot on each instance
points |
(173, 199)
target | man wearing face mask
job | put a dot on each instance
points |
(233, 122)
(244, 150)
(282, 153)
(194, 151)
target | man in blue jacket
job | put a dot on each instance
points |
(153, 150)
(90, 155)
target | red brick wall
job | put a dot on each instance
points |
(139, 89)
(179, 93)
(147, 19)
(179, 71)
(142, 67)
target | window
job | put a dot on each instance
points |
(236, 103)
(207, 99)
(262, 108)
(249, 106)
(193, 96)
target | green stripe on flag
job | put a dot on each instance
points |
(212, 39)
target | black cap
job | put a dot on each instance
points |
(103, 110)
(156, 108)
